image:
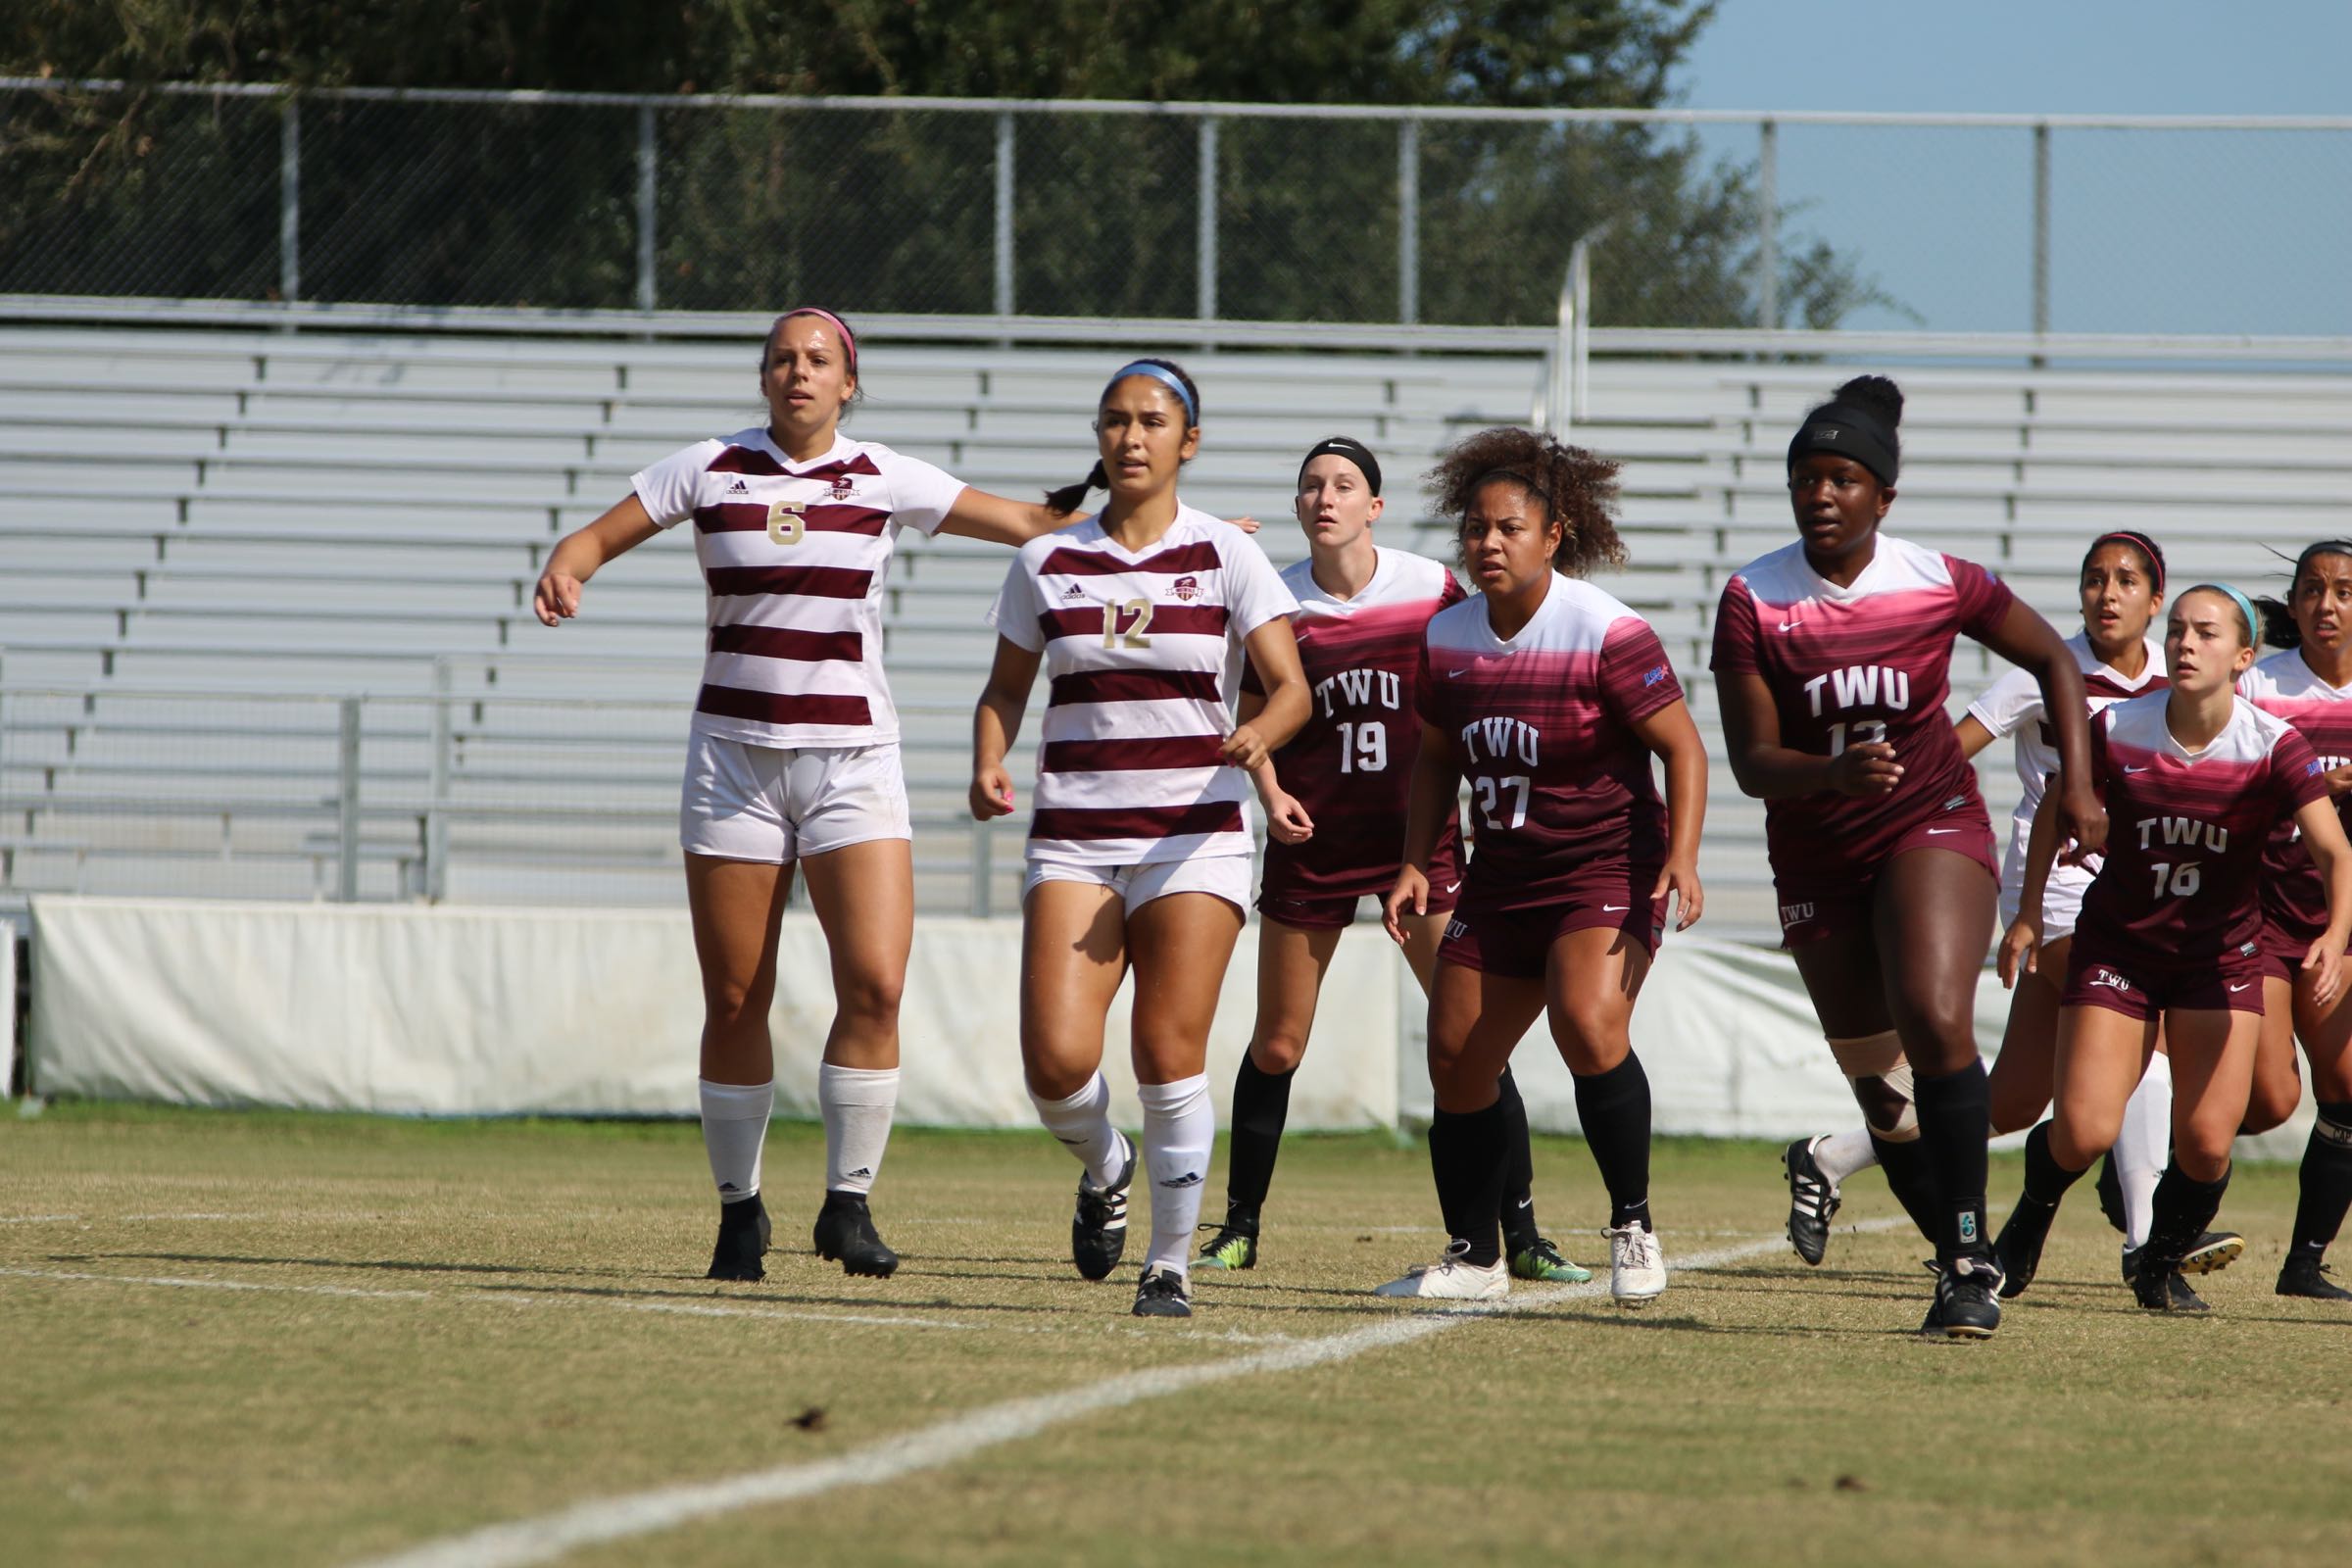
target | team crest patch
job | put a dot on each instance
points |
(842, 486)
(1186, 589)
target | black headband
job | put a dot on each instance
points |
(1850, 432)
(1354, 452)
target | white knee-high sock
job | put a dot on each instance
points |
(1840, 1154)
(734, 1130)
(2143, 1146)
(1180, 1124)
(1082, 1125)
(857, 1104)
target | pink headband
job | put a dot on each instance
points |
(848, 339)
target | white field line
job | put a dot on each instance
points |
(525, 1541)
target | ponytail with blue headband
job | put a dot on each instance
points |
(1070, 497)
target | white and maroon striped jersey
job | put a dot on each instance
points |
(794, 556)
(2293, 893)
(1848, 665)
(2186, 831)
(1142, 654)
(1542, 727)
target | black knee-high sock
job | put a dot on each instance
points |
(1956, 1120)
(1614, 1108)
(2183, 1209)
(1519, 1169)
(2326, 1181)
(1467, 1156)
(1911, 1182)
(2047, 1181)
(1262, 1103)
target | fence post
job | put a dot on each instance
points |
(1208, 219)
(346, 804)
(2042, 228)
(1004, 214)
(977, 900)
(1768, 226)
(289, 202)
(1408, 220)
(647, 177)
(436, 820)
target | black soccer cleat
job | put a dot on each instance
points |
(1812, 1201)
(1098, 1228)
(2212, 1251)
(2131, 1257)
(1967, 1299)
(2306, 1276)
(743, 1235)
(2111, 1192)
(845, 1233)
(2162, 1289)
(1162, 1294)
(1231, 1248)
(2018, 1248)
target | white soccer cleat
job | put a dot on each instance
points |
(1636, 1266)
(1452, 1278)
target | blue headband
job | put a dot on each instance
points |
(2253, 617)
(1166, 377)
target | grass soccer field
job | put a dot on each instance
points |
(287, 1338)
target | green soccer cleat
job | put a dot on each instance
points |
(1230, 1248)
(1542, 1260)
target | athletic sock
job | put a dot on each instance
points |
(2142, 1147)
(734, 1131)
(1261, 1104)
(2047, 1181)
(857, 1104)
(1911, 1182)
(1614, 1108)
(1840, 1154)
(1082, 1125)
(2326, 1181)
(1467, 1156)
(1180, 1124)
(1518, 1214)
(2184, 1210)
(1955, 1120)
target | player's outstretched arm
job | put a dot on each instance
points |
(995, 723)
(1003, 521)
(1671, 737)
(1430, 799)
(2032, 643)
(2020, 944)
(577, 556)
(2324, 837)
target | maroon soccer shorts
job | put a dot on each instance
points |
(2138, 986)
(1516, 942)
(1815, 907)
(2284, 945)
(1283, 898)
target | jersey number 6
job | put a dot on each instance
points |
(786, 523)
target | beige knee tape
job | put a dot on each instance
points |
(1881, 1079)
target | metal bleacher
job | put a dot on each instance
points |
(264, 597)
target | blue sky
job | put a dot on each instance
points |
(2186, 231)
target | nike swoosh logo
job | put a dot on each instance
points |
(1931, 832)
(1527, 1203)
(1450, 886)
(2135, 769)
(2235, 989)
(1791, 625)
(1615, 908)
(1464, 670)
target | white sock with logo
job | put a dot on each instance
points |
(1180, 1124)
(1082, 1125)
(734, 1131)
(2143, 1146)
(857, 1104)
(1840, 1154)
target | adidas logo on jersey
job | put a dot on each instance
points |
(1074, 591)
(736, 486)
(1191, 1178)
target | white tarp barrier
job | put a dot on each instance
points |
(8, 1004)
(467, 1012)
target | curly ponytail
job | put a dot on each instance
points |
(1070, 497)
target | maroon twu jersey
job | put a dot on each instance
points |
(1351, 766)
(1850, 666)
(1540, 727)
(2294, 894)
(2186, 833)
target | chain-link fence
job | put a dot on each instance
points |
(1208, 212)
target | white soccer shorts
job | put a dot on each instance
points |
(1226, 876)
(761, 802)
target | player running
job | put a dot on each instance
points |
(2121, 590)
(794, 756)
(1335, 826)
(2309, 685)
(1833, 657)
(1549, 697)
(2196, 780)
(1139, 843)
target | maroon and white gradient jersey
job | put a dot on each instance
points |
(1142, 654)
(1848, 666)
(2185, 834)
(794, 556)
(1541, 727)
(1351, 766)
(2283, 685)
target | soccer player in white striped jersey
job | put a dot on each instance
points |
(1139, 845)
(794, 756)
